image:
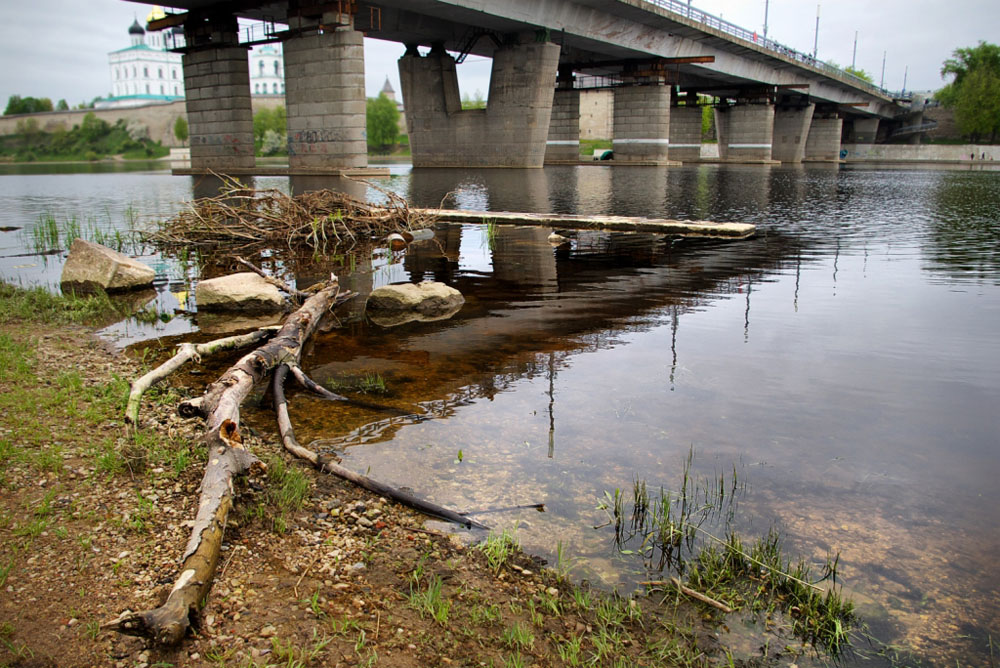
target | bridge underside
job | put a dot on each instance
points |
(655, 60)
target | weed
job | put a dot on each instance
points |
(569, 651)
(287, 490)
(5, 571)
(429, 600)
(518, 636)
(498, 549)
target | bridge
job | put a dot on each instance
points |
(661, 59)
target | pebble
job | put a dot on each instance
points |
(359, 566)
(365, 522)
(268, 631)
(552, 591)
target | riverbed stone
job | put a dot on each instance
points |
(91, 267)
(245, 292)
(395, 304)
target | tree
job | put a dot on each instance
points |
(62, 106)
(974, 93)
(859, 73)
(27, 105)
(272, 121)
(181, 129)
(382, 124)
(474, 102)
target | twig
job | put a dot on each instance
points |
(281, 285)
(295, 588)
(689, 592)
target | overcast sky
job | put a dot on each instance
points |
(59, 48)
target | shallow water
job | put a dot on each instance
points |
(845, 361)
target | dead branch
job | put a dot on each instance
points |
(281, 285)
(327, 465)
(687, 591)
(185, 353)
(227, 458)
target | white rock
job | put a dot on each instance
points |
(245, 292)
(395, 304)
(91, 266)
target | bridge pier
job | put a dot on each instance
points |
(510, 132)
(823, 143)
(791, 131)
(685, 133)
(563, 143)
(325, 94)
(642, 123)
(864, 130)
(217, 95)
(745, 132)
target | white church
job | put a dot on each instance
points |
(149, 72)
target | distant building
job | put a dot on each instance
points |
(145, 72)
(267, 70)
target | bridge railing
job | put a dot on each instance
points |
(712, 21)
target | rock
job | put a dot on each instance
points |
(557, 239)
(92, 267)
(268, 631)
(246, 292)
(392, 305)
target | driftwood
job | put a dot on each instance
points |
(327, 465)
(687, 591)
(227, 458)
(185, 353)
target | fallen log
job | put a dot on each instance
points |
(327, 465)
(185, 353)
(227, 458)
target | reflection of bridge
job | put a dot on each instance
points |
(773, 102)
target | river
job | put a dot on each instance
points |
(844, 362)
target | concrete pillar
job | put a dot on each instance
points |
(791, 130)
(823, 143)
(510, 132)
(745, 132)
(563, 144)
(642, 124)
(685, 133)
(325, 97)
(865, 130)
(217, 96)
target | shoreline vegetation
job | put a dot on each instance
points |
(316, 571)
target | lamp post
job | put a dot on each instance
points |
(766, 3)
(816, 38)
(881, 83)
(854, 55)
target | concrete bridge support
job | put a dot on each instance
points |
(510, 132)
(864, 131)
(685, 134)
(325, 96)
(642, 124)
(563, 143)
(823, 143)
(745, 132)
(791, 130)
(217, 96)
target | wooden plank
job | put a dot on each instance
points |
(684, 228)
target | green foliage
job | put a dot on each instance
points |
(39, 305)
(974, 93)
(859, 73)
(181, 129)
(382, 124)
(27, 105)
(93, 139)
(62, 106)
(475, 102)
(270, 128)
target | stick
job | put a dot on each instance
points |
(185, 353)
(690, 592)
(281, 285)
(540, 507)
(325, 464)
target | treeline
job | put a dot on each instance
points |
(92, 139)
(34, 105)
(974, 93)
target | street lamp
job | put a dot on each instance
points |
(816, 38)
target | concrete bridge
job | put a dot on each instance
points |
(771, 103)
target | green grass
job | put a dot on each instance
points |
(427, 599)
(499, 548)
(287, 491)
(38, 305)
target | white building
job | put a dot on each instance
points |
(145, 72)
(267, 70)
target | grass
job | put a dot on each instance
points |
(427, 599)
(367, 382)
(287, 491)
(499, 548)
(50, 234)
(38, 305)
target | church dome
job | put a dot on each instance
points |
(136, 29)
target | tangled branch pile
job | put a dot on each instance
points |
(241, 217)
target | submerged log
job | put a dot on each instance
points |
(327, 465)
(227, 458)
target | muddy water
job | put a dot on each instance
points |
(845, 361)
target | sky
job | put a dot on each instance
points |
(59, 48)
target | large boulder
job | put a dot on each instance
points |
(91, 267)
(245, 292)
(395, 304)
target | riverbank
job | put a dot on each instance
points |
(313, 570)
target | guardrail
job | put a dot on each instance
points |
(751, 36)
